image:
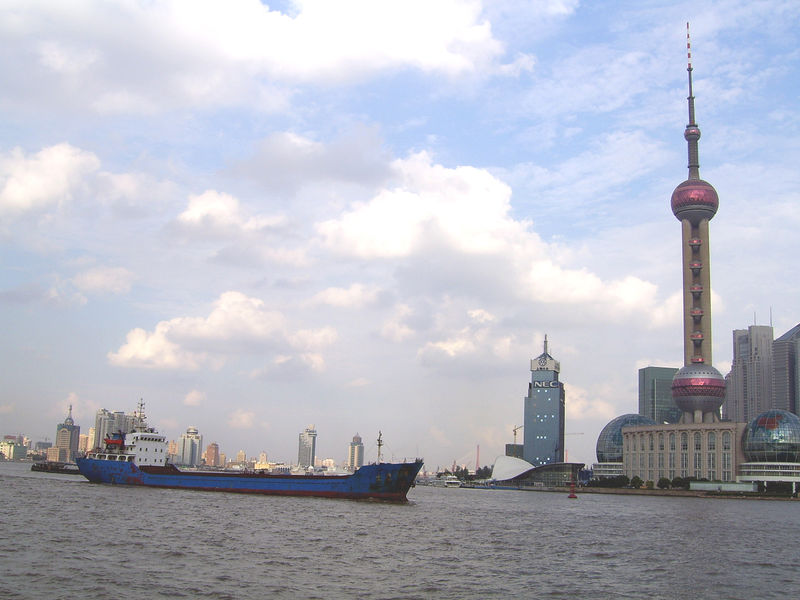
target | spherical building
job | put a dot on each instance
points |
(694, 200)
(699, 388)
(609, 443)
(773, 436)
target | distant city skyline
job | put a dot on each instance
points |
(323, 212)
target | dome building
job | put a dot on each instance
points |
(771, 445)
(610, 443)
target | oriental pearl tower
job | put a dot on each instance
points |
(698, 389)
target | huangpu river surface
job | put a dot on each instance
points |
(63, 537)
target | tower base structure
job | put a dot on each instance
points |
(698, 416)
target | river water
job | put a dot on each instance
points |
(63, 537)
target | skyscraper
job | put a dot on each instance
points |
(107, 422)
(355, 453)
(190, 448)
(655, 394)
(67, 438)
(544, 412)
(786, 371)
(212, 454)
(697, 388)
(749, 384)
(307, 449)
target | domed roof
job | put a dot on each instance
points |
(609, 442)
(509, 467)
(694, 199)
(698, 387)
(773, 436)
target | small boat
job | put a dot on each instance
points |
(142, 459)
(451, 481)
(45, 466)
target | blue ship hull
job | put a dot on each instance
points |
(383, 481)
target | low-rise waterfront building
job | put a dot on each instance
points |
(710, 451)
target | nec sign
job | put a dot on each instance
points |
(545, 384)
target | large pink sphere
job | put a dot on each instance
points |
(695, 200)
(698, 387)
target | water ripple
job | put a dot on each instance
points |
(74, 539)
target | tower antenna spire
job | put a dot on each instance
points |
(689, 69)
(692, 133)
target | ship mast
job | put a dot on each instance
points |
(380, 444)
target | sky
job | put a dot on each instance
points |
(366, 215)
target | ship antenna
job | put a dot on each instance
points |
(380, 443)
(140, 411)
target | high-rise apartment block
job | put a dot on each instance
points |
(212, 455)
(543, 442)
(749, 384)
(655, 394)
(190, 447)
(786, 371)
(764, 373)
(355, 454)
(307, 449)
(107, 423)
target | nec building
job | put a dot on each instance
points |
(544, 413)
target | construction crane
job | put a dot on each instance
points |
(517, 428)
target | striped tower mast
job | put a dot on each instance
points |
(698, 388)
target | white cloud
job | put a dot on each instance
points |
(238, 324)
(394, 328)
(66, 59)
(522, 63)
(43, 180)
(194, 398)
(466, 206)
(154, 351)
(214, 211)
(237, 53)
(286, 161)
(439, 436)
(99, 280)
(357, 295)
(241, 419)
(290, 366)
(341, 40)
(481, 316)
(7, 409)
(458, 217)
(313, 338)
(585, 404)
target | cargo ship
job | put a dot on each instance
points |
(141, 458)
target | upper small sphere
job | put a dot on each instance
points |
(773, 436)
(695, 200)
(692, 133)
(698, 387)
(609, 442)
